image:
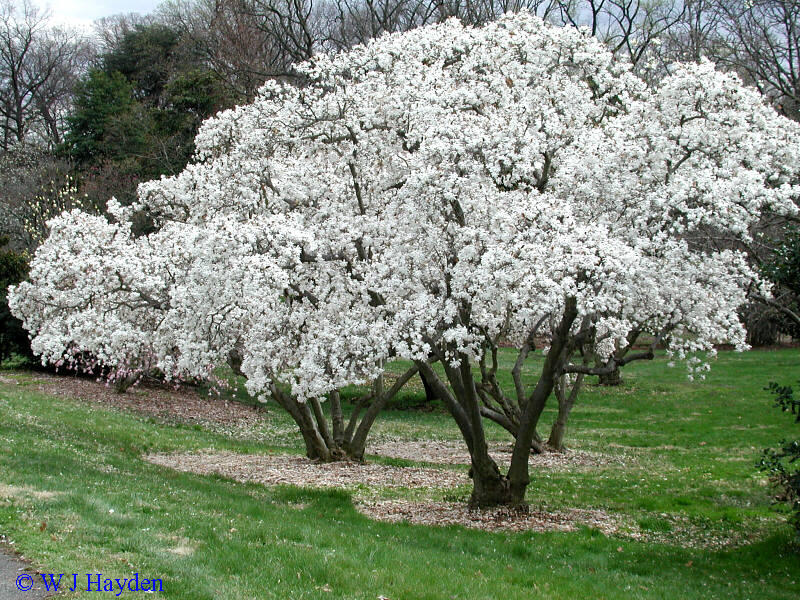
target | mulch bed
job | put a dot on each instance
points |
(295, 470)
(183, 405)
(455, 453)
(499, 519)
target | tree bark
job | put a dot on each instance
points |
(556, 358)
(321, 450)
(123, 384)
(337, 417)
(565, 404)
(358, 444)
(489, 486)
(612, 378)
(334, 442)
(537, 446)
(322, 423)
(314, 445)
(235, 362)
(430, 394)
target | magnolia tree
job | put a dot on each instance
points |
(435, 193)
(193, 296)
(79, 300)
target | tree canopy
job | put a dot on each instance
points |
(429, 196)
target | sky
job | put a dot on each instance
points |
(82, 13)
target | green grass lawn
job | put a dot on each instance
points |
(76, 497)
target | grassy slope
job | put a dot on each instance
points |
(689, 450)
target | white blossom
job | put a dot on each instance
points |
(450, 185)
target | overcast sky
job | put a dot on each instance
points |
(84, 12)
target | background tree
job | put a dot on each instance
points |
(782, 268)
(632, 29)
(146, 55)
(106, 123)
(38, 66)
(136, 114)
(763, 45)
(175, 91)
(37, 187)
(230, 38)
(108, 131)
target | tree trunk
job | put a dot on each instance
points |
(316, 448)
(565, 404)
(612, 378)
(490, 488)
(358, 443)
(235, 362)
(332, 443)
(553, 364)
(430, 394)
(122, 384)
(559, 429)
(321, 451)
(337, 417)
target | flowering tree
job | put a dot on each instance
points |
(434, 193)
(190, 297)
(93, 292)
(513, 183)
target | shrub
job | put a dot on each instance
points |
(13, 337)
(782, 463)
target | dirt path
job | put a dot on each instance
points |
(11, 568)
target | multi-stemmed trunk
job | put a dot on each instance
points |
(327, 438)
(490, 486)
(470, 400)
(510, 422)
(124, 382)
